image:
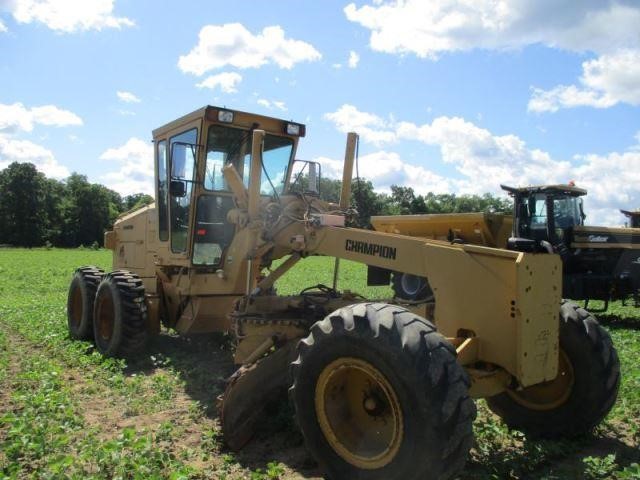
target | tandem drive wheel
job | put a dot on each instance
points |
(82, 293)
(378, 394)
(120, 315)
(583, 392)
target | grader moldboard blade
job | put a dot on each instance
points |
(249, 392)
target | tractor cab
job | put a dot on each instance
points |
(195, 197)
(633, 216)
(544, 216)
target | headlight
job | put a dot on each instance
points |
(225, 116)
(293, 129)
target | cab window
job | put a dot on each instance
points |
(183, 157)
(162, 194)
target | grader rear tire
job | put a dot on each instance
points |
(584, 391)
(120, 315)
(410, 287)
(378, 394)
(82, 293)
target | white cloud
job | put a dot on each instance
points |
(16, 117)
(135, 170)
(24, 151)
(606, 81)
(484, 160)
(370, 127)
(226, 81)
(233, 45)
(608, 28)
(354, 59)
(127, 97)
(385, 169)
(428, 29)
(69, 16)
(3, 27)
(271, 104)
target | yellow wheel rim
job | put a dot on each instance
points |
(548, 395)
(359, 413)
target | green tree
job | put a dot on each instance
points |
(88, 210)
(366, 201)
(404, 198)
(23, 212)
(137, 200)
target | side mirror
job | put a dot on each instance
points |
(314, 178)
(305, 177)
(178, 188)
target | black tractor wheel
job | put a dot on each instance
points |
(120, 315)
(82, 293)
(378, 394)
(410, 287)
(584, 390)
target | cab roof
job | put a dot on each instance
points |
(240, 119)
(628, 213)
(559, 189)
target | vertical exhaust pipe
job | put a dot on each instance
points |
(345, 193)
(347, 170)
(256, 173)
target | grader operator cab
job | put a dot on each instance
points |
(379, 389)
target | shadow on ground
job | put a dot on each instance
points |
(204, 362)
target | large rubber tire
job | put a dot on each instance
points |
(120, 315)
(82, 293)
(591, 362)
(410, 287)
(419, 391)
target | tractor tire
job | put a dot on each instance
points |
(410, 287)
(82, 293)
(378, 394)
(120, 315)
(584, 391)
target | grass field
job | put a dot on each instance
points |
(65, 412)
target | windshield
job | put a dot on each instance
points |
(231, 145)
(567, 212)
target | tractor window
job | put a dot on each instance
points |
(567, 212)
(162, 195)
(183, 158)
(538, 212)
(276, 157)
(212, 231)
(226, 145)
(231, 145)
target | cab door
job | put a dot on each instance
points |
(183, 154)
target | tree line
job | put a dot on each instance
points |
(404, 201)
(36, 210)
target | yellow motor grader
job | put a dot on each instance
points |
(380, 390)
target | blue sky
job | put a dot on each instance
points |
(448, 96)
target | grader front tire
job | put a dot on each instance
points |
(82, 293)
(120, 315)
(584, 391)
(378, 394)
